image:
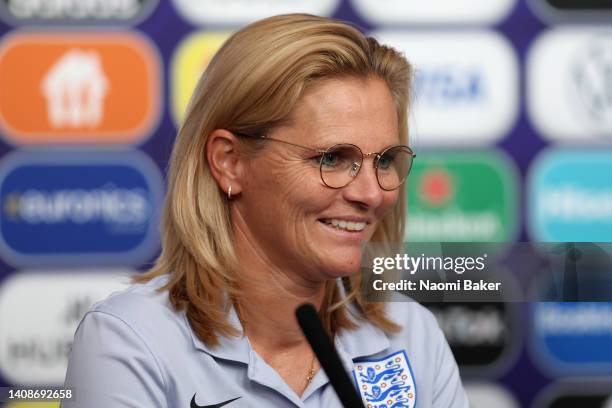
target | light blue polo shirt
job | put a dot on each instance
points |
(134, 350)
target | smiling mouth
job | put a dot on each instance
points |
(345, 225)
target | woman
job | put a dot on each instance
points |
(273, 190)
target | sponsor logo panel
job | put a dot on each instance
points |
(485, 395)
(580, 4)
(572, 337)
(239, 12)
(569, 84)
(572, 272)
(78, 88)
(570, 394)
(583, 401)
(570, 196)
(33, 405)
(79, 208)
(39, 313)
(484, 335)
(188, 64)
(67, 12)
(479, 333)
(462, 197)
(572, 10)
(465, 85)
(434, 11)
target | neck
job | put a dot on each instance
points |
(272, 293)
(268, 313)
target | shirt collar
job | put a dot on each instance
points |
(235, 348)
(365, 340)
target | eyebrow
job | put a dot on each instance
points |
(315, 148)
(325, 144)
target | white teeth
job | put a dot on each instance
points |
(347, 225)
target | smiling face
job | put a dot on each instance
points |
(287, 214)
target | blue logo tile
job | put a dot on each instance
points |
(78, 208)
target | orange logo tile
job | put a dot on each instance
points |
(78, 88)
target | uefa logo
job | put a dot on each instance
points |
(569, 85)
(591, 71)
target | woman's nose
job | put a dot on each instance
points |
(364, 188)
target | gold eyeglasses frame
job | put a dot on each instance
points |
(355, 167)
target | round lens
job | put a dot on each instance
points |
(393, 167)
(340, 164)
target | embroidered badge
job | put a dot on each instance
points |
(386, 382)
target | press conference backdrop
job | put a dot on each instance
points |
(512, 125)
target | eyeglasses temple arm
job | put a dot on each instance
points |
(281, 141)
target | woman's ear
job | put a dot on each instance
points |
(225, 161)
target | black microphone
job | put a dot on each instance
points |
(309, 321)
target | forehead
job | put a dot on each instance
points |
(360, 111)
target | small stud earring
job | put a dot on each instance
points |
(229, 192)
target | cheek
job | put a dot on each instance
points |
(303, 195)
(389, 201)
(287, 188)
(296, 183)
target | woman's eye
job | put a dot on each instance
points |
(385, 162)
(328, 159)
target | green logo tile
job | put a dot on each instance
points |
(462, 197)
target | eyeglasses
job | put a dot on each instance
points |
(340, 163)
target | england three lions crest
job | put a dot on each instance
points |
(386, 382)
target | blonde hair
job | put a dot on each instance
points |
(251, 86)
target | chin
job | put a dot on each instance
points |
(343, 267)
